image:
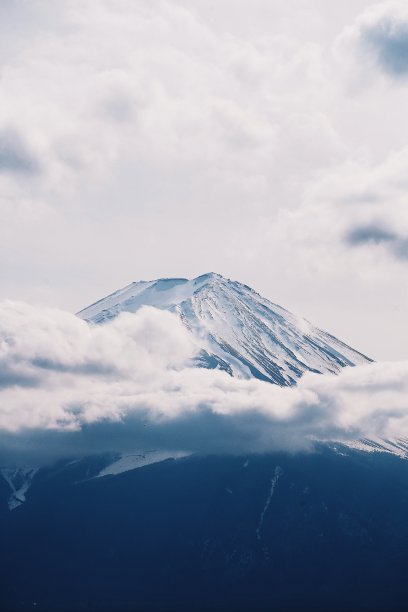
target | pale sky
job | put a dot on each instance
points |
(266, 140)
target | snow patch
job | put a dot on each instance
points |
(135, 460)
(19, 481)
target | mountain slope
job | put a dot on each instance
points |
(241, 332)
(321, 532)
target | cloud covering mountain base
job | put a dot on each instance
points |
(68, 388)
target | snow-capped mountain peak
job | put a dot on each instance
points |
(240, 331)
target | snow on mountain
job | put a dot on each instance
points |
(240, 331)
(397, 447)
(132, 461)
(19, 481)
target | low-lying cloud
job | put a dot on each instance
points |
(67, 388)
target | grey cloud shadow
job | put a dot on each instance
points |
(202, 432)
(10, 378)
(400, 248)
(389, 40)
(375, 234)
(15, 157)
(88, 368)
(370, 233)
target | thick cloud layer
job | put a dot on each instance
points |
(68, 388)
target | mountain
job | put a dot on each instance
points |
(154, 531)
(315, 532)
(240, 331)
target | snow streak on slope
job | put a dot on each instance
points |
(19, 481)
(240, 332)
(274, 481)
(133, 461)
(397, 446)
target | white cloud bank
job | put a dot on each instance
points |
(68, 388)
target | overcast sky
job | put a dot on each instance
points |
(266, 140)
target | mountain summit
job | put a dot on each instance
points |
(241, 332)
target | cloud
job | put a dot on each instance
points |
(360, 203)
(376, 235)
(158, 123)
(379, 39)
(70, 388)
(14, 155)
(369, 234)
(387, 38)
(150, 106)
